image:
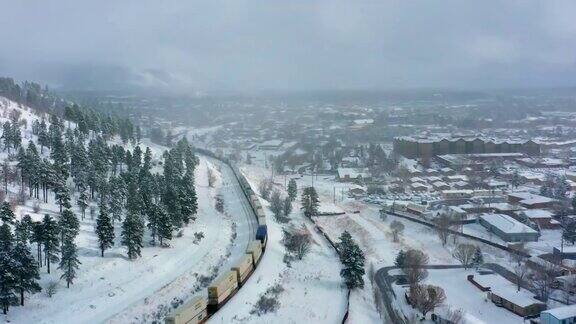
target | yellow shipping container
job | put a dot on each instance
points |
(243, 267)
(191, 312)
(255, 249)
(222, 287)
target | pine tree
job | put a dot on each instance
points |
(104, 230)
(50, 233)
(8, 268)
(118, 194)
(62, 194)
(38, 238)
(164, 225)
(287, 208)
(187, 198)
(33, 172)
(132, 233)
(400, 259)
(69, 225)
(24, 229)
(69, 262)
(352, 259)
(6, 214)
(292, 189)
(310, 201)
(26, 274)
(82, 201)
(43, 138)
(7, 135)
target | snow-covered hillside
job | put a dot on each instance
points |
(118, 290)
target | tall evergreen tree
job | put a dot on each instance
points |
(352, 259)
(26, 273)
(187, 198)
(310, 201)
(132, 233)
(6, 214)
(62, 195)
(8, 266)
(24, 229)
(43, 137)
(82, 201)
(104, 230)
(50, 234)
(292, 189)
(164, 224)
(69, 262)
(38, 238)
(69, 225)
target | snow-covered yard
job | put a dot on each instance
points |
(463, 295)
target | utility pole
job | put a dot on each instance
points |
(334, 194)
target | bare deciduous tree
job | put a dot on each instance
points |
(455, 316)
(297, 242)
(520, 270)
(397, 228)
(427, 297)
(443, 222)
(414, 267)
(542, 279)
(465, 254)
(519, 252)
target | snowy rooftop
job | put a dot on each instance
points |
(538, 213)
(561, 313)
(506, 224)
(351, 172)
(506, 289)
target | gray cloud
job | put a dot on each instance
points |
(290, 44)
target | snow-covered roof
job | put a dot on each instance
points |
(352, 173)
(506, 224)
(536, 200)
(561, 313)
(538, 213)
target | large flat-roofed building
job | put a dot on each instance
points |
(507, 228)
(415, 147)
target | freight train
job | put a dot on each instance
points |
(200, 308)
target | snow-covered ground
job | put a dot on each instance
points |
(119, 290)
(462, 295)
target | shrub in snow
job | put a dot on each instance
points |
(51, 288)
(268, 302)
(198, 236)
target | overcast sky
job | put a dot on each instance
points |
(247, 45)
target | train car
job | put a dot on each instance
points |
(221, 290)
(262, 234)
(243, 268)
(192, 312)
(255, 250)
(261, 220)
